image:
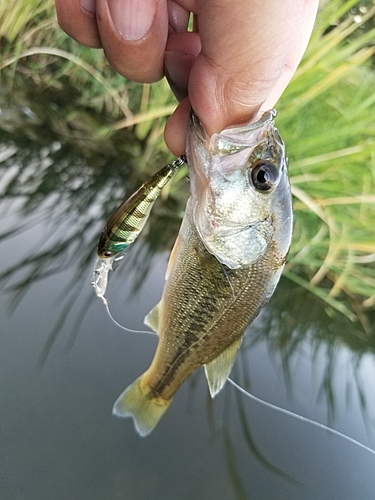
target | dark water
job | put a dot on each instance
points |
(63, 362)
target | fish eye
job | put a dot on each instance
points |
(264, 175)
(107, 253)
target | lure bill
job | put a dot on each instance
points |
(99, 279)
(127, 222)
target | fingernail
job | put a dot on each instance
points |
(132, 18)
(89, 5)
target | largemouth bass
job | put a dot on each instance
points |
(225, 264)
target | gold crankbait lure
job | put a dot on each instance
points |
(125, 225)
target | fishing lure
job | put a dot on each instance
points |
(125, 225)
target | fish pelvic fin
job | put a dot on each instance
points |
(138, 402)
(218, 370)
(152, 318)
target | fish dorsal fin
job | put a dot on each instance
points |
(218, 370)
(152, 318)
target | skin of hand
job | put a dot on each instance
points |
(238, 59)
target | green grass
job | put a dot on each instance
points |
(326, 118)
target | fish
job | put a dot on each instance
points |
(127, 222)
(225, 264)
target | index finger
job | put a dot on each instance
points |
(78, 20)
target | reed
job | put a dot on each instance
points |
(326, 119)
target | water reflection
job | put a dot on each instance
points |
(59, 183)
(60, 168)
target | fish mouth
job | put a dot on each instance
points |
(235, 139)
(212, 156)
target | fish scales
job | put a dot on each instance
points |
(201, 334)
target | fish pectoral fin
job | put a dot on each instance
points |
(207, 262)
(152, 318)
(217, 371)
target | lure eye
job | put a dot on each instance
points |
(107, 253)
(264, 175)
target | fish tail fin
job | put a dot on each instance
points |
(138, 402)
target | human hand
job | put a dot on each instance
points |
(239, 60)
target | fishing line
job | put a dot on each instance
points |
(124, 327)
(300, 417)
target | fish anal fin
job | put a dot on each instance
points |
(217, 371)
(152, 318)
(138, 402)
